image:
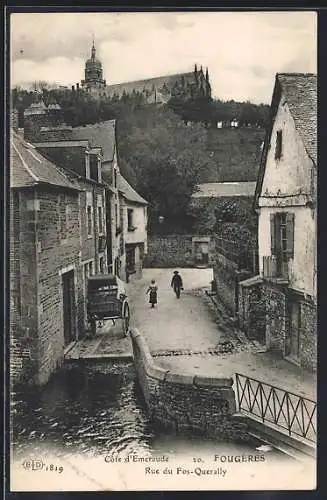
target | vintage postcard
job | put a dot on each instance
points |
(163, 297)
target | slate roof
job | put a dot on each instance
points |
(158, 82)
(300, 91)
(128, 192)
(102, 134)
(29, 168)
(224, 189)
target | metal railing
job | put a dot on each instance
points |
(286, 410)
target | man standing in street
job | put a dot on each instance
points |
(177, 284)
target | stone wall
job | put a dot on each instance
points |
(59, 246)
(278, 325)
(177, 250)
(48, 237)
(225, 275)
(252, 309)
(276, 318)
(308, 349)
(23, 312)
(186, 402)
(169, 251)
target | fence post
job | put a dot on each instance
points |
(237, 392)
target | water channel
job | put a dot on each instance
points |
(98, 410)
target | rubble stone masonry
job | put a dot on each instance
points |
(278, 326)
(169, 251)
(23, 311)
(58, 248)
(276, 323)
(186, 402)
(48, 236)
(308, 336)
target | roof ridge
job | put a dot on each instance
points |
(31, 173)
(152, 78)
(296, 74)
(96, 123)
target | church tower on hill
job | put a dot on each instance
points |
(93, 72)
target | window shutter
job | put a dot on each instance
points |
(273, 233)
(290, 234)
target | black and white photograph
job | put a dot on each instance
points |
(162, 250)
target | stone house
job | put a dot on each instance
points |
(102, 137)
(91, 152)
(134, 214)
(286, 203)
(55, 229)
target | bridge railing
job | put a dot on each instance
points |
(290, 412)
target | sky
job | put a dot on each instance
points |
(242, 50)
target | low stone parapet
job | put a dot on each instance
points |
(205, 405)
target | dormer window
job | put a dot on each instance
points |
(279, 145)
(95, 167)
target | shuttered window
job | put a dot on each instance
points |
(282, 235)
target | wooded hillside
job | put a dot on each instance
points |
(165, 155)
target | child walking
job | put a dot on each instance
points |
(153, 290)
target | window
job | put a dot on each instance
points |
(100, 220)
(89, 220)
(282, 235)
(279, 145)
(115, 178)
(90, 268)
(101, 265)
(94, 167)
(130, 214)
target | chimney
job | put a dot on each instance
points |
(77, 86)
(73, 88)
(35, 117)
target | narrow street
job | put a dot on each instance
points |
(184, 323)
(189, 325)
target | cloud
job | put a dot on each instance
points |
(242, 50)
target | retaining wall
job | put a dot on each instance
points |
(176, 250)
(186, 402)
(225, 272)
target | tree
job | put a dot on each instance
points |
(166, 158)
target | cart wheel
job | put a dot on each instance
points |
(93, 327)
(126, 319)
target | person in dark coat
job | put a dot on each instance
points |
(153, 290)
(177, 284)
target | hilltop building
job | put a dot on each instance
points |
(155, 90)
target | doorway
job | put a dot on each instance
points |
(69, 307)
(201, 251)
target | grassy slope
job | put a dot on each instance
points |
(236, 154)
